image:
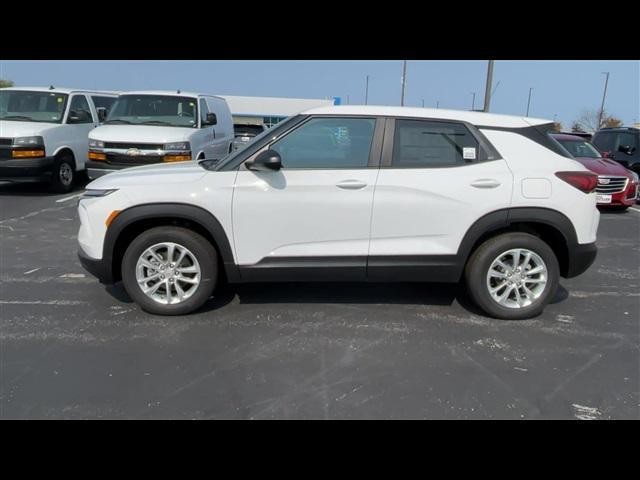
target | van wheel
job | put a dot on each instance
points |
(512, 276)
(170, 270)
(63, 176)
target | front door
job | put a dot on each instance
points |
(313, 216)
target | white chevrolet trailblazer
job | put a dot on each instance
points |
(158, 127)
(351, 193)
(43, 133)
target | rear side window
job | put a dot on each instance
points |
(626, 140)
(429, 144)
(328, 143)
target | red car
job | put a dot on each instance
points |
(617, 186)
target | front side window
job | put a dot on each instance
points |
(626, 140)
(104, 102)
(79, 111)
(327, 143)
(160, 110)
(204, 110)
(25, 106)
(580, 149)
(429, 144)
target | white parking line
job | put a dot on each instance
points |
(634, 209)
(69, 198)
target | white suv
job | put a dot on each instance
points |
(353, 193)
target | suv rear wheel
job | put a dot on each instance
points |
(512, 276)
(170, 270)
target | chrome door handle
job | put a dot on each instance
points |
(485, 183)
(351, 185)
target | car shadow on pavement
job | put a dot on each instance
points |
(437, 294)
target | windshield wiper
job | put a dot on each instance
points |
(117, 120)
(154, 122)
(17, 117)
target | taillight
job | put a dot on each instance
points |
(583, 181)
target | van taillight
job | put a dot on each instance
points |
(583, 181)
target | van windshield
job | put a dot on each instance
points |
(26, 106)
(157, 110)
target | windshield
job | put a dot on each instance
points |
(160, 110)
(580, 149)
(25, 106)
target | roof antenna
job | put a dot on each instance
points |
(51, 87)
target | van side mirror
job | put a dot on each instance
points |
(102, 114)
(210, 120)
(266, 161)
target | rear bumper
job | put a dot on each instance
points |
(99, 268)
(581, 257)
(26, 169)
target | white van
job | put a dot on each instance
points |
(43, 132)
(158, 126)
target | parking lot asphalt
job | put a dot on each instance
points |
(71, 348)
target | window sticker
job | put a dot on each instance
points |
(469, 153)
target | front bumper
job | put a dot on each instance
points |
(26, 169)
(581, 257)
(100, 269)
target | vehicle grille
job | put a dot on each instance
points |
(116, 159)
(140, 146)
(6, 141)
(615, 185)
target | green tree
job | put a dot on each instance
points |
(5, 83)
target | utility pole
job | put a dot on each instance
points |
(423, 103)
(366, 92)
(347, 99)
(404, 81)
(604, 94)
(529, 102)
(487, 90)
(438, 104)
(473, 102)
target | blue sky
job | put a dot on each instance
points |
(562, 88)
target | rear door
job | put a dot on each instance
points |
(437, 178)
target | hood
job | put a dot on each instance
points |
(156, 174)
(140, 133)
(11, 129)
(603, 166)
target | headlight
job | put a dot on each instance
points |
(97, 193)
(96, 143)
(179, 146)
(635, 177)
(28, 141)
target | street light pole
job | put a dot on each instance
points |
(473, 102)
(366, 92)
(529, 101)
(487, 90)
(604, 94)
(438, 104)
(404, 82)
(423, 103)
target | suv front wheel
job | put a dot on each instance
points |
(512, 276)
(170, 270)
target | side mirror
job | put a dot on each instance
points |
(266, 161)
(606, 154)
(102, 114)
(627, 149)
(210, 120)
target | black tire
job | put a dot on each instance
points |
(63, 175)
(617, 208)
(201, 248)
(478, 267)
